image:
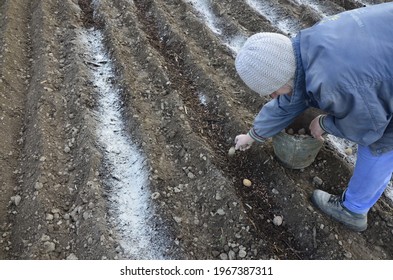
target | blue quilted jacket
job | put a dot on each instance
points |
(345, 68)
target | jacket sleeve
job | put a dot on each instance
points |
(276, 115)
(361, 119)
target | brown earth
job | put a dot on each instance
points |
(53, 198)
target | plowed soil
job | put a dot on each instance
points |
(182, 104)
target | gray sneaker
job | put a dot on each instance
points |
(332, 206)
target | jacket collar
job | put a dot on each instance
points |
(299, 87)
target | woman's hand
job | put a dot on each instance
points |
(243, 142)
(316, 129)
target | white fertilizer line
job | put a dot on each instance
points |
(130, 197)
(202, 6)
(212, 22)
(319, 9)
(285, 23)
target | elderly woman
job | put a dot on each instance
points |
(343, 65)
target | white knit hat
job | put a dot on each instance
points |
(266, 62)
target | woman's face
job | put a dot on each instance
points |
(285, 89)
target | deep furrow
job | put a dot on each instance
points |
(41, 141)
(147, 119)
(61, 184)
(131, 210)
(139, 87)
(44, 106)
(14, 74)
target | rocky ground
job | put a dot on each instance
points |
(182, 104)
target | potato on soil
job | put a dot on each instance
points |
(247, 183)
(231, 151)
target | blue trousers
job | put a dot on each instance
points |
(369, 180)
